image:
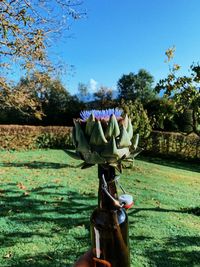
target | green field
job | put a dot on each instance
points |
(46, 202)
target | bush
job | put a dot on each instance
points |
(173, 145)
(23, 137)
(18, 137)
(139, 118)
(161, 113)
(186, 124)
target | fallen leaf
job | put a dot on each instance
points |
(8, 255)
(21, 186)
(57, 181)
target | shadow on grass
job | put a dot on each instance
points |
(178, 164)
(69, 210)
(172, 253)
(175, 251)
(38, 165)
(194, 211)
(60, 212)
(65, 211)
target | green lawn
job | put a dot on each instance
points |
(45, 204)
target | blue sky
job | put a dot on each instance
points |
(118, 37)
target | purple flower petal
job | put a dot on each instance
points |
(100, 114)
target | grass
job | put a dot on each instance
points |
(46, 202)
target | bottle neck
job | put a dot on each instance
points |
(104, 200)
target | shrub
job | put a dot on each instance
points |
(186, 124)
(139, 118)
(18, 137)
(173, 145)
(161, 113)
(23, 137)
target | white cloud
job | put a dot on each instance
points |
(92, 85)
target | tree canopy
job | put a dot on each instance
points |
(29, 28)
(104, 97)
(136, 86)
(184, 90)
(38, 99)
(27, 31)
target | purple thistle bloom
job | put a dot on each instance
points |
(101, 114)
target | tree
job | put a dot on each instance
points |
(58, 105)
(185, 93)
(104, 97)
(161, 112)
(136, 86)
(19, 101)
(83, 92)
(49, 99)
(29, 28)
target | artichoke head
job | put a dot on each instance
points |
(105, 140)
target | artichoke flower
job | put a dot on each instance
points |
(104, 137)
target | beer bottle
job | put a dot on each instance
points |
(109, 224)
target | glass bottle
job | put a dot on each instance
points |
(109, 225)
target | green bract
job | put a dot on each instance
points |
(100, 141)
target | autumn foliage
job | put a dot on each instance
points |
(19, 137)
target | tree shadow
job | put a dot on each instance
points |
(38, 165)
(51, 259)
(175, 251)
(178, 164)
(64, 211)
(194, 211)
(73, 203)
(173, 254)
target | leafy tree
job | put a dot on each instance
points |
(50, 100)
(83, 92)
(104, 96)
(161, 112)
(26, 26)
(136, 86)
(29, 28)
(83, 89)
(184, 91)
(59, 106)
(19, 101)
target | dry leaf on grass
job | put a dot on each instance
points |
(8, 255)
(21, 186)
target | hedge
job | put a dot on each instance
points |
(172, 144)
(23, 137)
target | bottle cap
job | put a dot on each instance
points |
(126, 201)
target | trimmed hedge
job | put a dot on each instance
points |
(172, 145)
(23, 137)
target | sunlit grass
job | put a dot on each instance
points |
(46, 202)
